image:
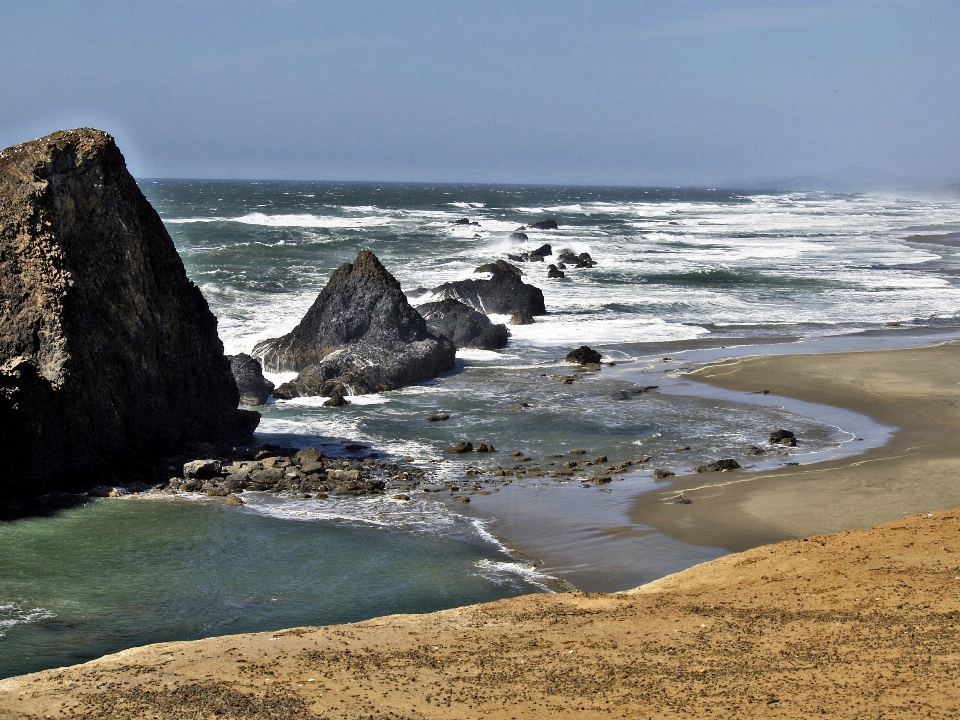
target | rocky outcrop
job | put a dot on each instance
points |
(248, 374)
(464, 325)
(107, 351)
(548, 224)
(504, 293)
(584, 355)
(361, 333)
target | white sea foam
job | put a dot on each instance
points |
(502, 572)
(13, 614)
(305, 220)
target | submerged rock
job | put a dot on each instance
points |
(248, 374)
(718, 466)
(108, 352)
(362, 333)
(464, 325)
(504, 293)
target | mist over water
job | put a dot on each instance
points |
(676, 269)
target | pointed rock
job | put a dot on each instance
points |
(360, 332)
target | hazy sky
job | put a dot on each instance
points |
(666, 92)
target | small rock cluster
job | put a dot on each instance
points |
(303, 473)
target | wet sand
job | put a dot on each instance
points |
(864, 623)
(916, 390)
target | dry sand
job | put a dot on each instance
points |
(862, 623)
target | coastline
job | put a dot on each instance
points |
(849, 611)
(858, 623)
(914, 390)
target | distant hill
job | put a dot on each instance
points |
(851, 179)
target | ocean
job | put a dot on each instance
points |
(682, 276)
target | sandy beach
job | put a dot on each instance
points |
(914, 390)
(859, 623)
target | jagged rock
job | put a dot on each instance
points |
(108, 353)
(361, 333)
(337, 397)
(548, 224)
(460, 448)
(521, 319)
(754, 450)
(662, 474)
(543, 250)
(504, 293)
(438, 418)
(680, 499)
(485, 448)
(499, 266)
(534, 257)
(461, 221)
(248, 374)
(464, 325)
(567, 256)
(583, 355)
(553, 272)
(584, 261)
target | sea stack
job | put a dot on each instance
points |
(108, 352)
(360, 334)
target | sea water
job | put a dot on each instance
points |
(682, 275)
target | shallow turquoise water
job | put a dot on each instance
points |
(116, 573)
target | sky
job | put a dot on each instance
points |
(671, 92)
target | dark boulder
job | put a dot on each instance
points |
(504, 293)
(361, 333)
(248, 374)
(518, 236)
(460, 448)
(338, 397)
(553, 272)
(783, 437)
(461, 221)
(583, 355)
(567, 256)
(109, 354)
(464, 325)
(543, 251)
(584, 261)
(548, 224)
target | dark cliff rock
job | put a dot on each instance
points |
(107, 351)
(248, 374)
(464, 325)
(361, 333)
(504, 293)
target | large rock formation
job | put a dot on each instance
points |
(107, 351)
(360, 333)
(464, 325)
(504, 293)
